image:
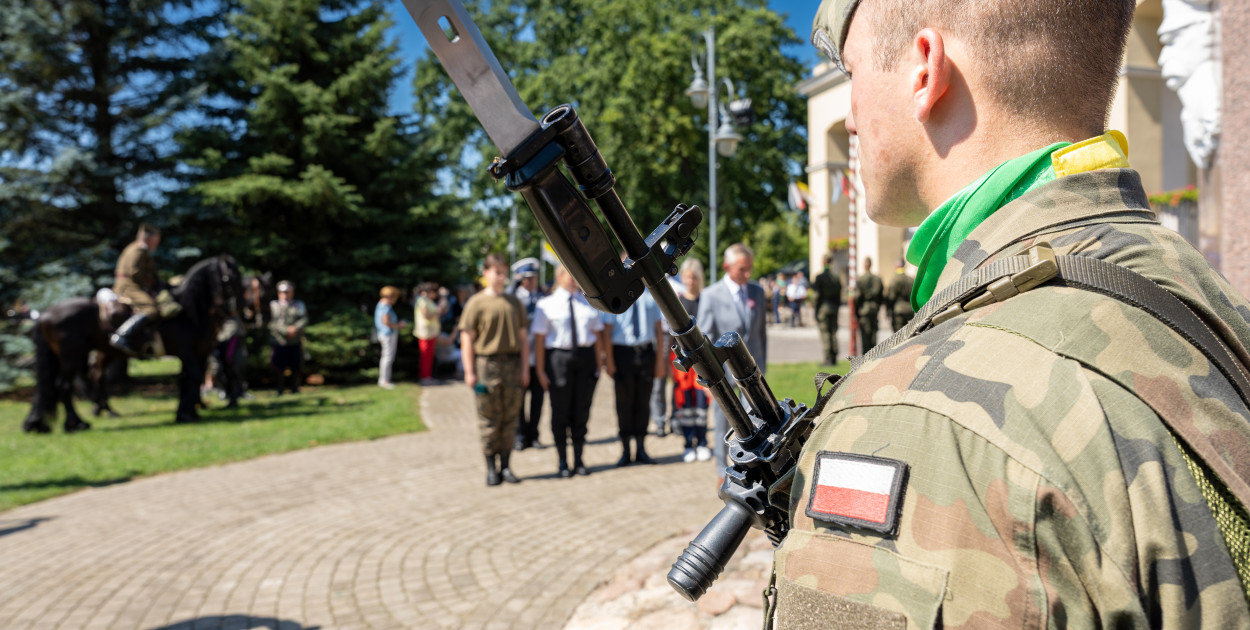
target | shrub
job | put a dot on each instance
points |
(338, 346)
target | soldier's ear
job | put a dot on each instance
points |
(929, 72)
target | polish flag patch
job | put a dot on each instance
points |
(857, 491)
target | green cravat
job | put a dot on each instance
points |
(942, 233)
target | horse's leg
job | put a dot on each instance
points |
(189, 380)
(47, 366)
(99, 382)
(73, 422)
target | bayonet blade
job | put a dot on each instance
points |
(472, 66)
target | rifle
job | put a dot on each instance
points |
(764, 441)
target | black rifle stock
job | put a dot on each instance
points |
(765, 439)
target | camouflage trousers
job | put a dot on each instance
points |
(499, 396)
(868, 325)
(140, 301)
(827, 321)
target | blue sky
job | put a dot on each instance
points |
(412, 45)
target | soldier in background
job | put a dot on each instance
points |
(287, 319)
(868, 296)
(1052, 459)
(898, 297)
(827, 296)
(135, 282)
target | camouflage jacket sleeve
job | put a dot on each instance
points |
(1009, 516)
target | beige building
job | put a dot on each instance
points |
(1144, 109)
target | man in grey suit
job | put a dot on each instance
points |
(735, 304)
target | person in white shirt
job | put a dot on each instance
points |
(569, 354)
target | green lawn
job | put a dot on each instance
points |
(145, 440)
(796, 380)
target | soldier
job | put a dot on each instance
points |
(494, 338)
(827, 294)
(898, 297)
(1053, 458)
(287, 319)
(868, 295)
(135, 281)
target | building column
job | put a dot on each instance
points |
(1234, 148)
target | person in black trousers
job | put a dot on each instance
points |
(568, 337)
(525, 272)
(634, 364)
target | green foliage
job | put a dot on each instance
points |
(339, 344)
(16, 351)
(145, 441)
(778, 242)
(88, 93)
(300, 171)
(1174, 198)
(625, 65)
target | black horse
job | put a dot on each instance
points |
(67, 332)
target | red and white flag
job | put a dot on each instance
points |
(857, 490)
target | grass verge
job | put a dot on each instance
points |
(145, 440)
(797, 380)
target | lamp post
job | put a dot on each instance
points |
(722, 139)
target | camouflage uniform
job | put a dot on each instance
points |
(828, 297)
(135, 278)
(898, 301)
(499, 405)
(868, 294)
(1042, 489)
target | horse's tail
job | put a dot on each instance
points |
(47, 368)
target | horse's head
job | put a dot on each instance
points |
(227, 286)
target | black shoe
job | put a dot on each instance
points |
(508, 476)
(581, 471)
(565, 473)
(520, 445)
(624, 460)
(492, 478)
(643, 458)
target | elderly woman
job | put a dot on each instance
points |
(689, 398)
(387, 323)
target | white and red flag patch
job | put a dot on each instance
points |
(857, 490)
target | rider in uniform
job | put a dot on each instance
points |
(1054, 458)
(135, 282)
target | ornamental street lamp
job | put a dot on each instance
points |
(722, 139)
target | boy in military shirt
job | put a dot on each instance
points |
(493, 339)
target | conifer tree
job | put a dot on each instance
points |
(298, 168)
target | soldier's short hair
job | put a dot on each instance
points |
(1053, 60)
(147, 229)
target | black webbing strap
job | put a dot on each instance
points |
(1079, 272)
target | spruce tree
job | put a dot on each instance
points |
(300, 170)
(89, 90)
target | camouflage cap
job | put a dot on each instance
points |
(833, 20)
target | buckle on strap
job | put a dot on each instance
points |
(1042, 267)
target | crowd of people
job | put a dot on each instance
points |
(520, 345)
